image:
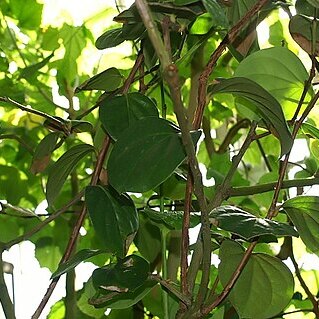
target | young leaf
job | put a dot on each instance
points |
(108, 80)
(262, 103)
(63, 167)
(43, 151)
(114, 218)
(304, 213)
(126, 275)
(145, 155)
(246, 225)
(118, 113)
(263, 289)
(75, 260)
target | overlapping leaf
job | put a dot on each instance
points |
(263, 289)
(114, 218)
(261, 103)
(247, 225)
(304, 213)
(145, 155)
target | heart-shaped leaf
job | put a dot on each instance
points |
(304, 213)
(145, 155)
(118, 113)
(61, 169)
(114, 218)
(264, 287)
(280, 72)
(247, 225)
(262, 103)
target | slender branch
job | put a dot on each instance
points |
(5, 299)
(228, 39)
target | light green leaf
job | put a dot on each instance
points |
(247, 225)
(120, 112)
(61, 169)
(262, 103)
(114, 218)
(75, 260)
(263, 289)
(145, 155)
(280, 72)
(108, 80)
(304, 213)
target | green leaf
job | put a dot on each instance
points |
(145, 155)
(280, 72)
(246, 225)
(184, 2)
(310, 130)
(305, 8)
(75, 260)
(120, 112)
(126, 275)
(261, 103)
(314, 3)
(304, 213)
(43, 152)
(63, 167)
(110, 39)
(216, 11)
(263, 289)
(114, 218)
(170, 219)
(108, 80)
(31, 71)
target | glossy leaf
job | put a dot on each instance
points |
(75, 260)
(216, 11)
(304, 213)
(43, 152)
(126, 275)
(153, 149)
(280, 72)
(114, 218)
(110, 39)
(261, 103)
(108, 80)
(61, 169)
(170, 219)
(247, 225)
(120, 112)
(263, 289)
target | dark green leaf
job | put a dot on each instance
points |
(170, 219)
(145, 155)
(108, 80)
(304, 213)
(76, 260)
(110, 39)
(63, 167)
(216, 11)
(120, 112)
(43, 152)
(263, 289)
(280, 72)
(310, 130)
(184, 2)
(314, 3)
(246, 225)
(305, 8)
(263, 104)
(81, 126)
(126, 275)
(114, 218)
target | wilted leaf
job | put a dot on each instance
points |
(63, 167)
(114, 218)
(145, 155)
(263, 289)
(247, 225)
(304, 213)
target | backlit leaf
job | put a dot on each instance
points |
(61, 169)
(262, 103)
(118, 113)
(304, 213)
(114, 218)
(247, 225)
(263, 289)
(145, 155)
